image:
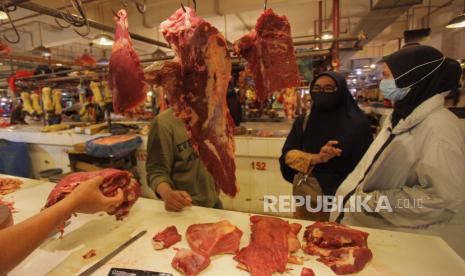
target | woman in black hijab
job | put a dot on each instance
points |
(336, 135)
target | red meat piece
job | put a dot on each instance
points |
(343, 249)
(307, 272)
(189, 262)
(126, 78)
(113, 179)
(214, 238)
(269, 51)
(166, 238)
(197, 81)
(268, 251)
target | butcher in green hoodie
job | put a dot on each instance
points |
(174, 171)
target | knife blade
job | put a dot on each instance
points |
(105, 259)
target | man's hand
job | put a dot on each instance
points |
(329, 151)
(175, 201)
(88, 198)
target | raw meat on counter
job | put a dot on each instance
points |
(126, 78)
(166, 238)
(113, 179)
(343, 249)
(189, 262)
(272, 241)
(196, 83)
(9, 204)
(307, 272)
(9, 185)
(269, 51)
(214, 238)
(91, 253)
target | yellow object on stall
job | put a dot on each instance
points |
(27, 103)
(106, 92)
(53, 128)
(95, 88)
(36, 104)
(57, 101)
(47, 99)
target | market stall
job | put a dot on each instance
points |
(394, 253)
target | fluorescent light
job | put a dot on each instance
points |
(373, 66)
(327, 35)
(103, 61)
(43, 51)
(1, 63)
(317, 48)
(457, 22)
(103, 39)
(59, 64)
(358, 72)
(150, 93)
(3, 15)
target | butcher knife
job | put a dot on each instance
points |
(108, 257)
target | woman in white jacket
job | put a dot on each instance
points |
(417, 162)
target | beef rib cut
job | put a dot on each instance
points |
(196, 83)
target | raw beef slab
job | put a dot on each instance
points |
(126, 77)
(189, 262)
(166, 238)
(214, 238)
(269, 248)
(196, 83)
(113, 179)
(343, 249)
(269, 51)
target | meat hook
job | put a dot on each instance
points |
(78, 20)
(265, 4)
(7, 10)
(141, 7)
(183, 8)
(86, 32)
(195, 5)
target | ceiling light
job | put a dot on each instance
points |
(59, 64)
(373, 66)
(43, 51)
(457, 22)
(1, 63)
(3, 15)
(103, 39)
(327, 35)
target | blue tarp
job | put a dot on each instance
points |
(14, 158)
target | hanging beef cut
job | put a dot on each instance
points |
(166, 238)
(272, 240)
(112, 180)
(214, 238)
(189, 262)
(269, 52)
(196, 82)
(343, 249)
(126, 77)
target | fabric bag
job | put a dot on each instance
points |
(307, 185)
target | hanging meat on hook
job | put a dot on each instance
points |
(196, 82)
(269, 52)
(126, 77)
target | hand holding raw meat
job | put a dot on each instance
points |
(88, 198)
(126, 77)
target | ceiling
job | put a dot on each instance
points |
(232, 18)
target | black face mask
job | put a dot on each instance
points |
(325, 101)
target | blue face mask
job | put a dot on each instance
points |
(391, 91)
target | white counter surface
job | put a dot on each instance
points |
(394, 253)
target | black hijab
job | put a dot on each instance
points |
(345, 123)
(425, 69)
